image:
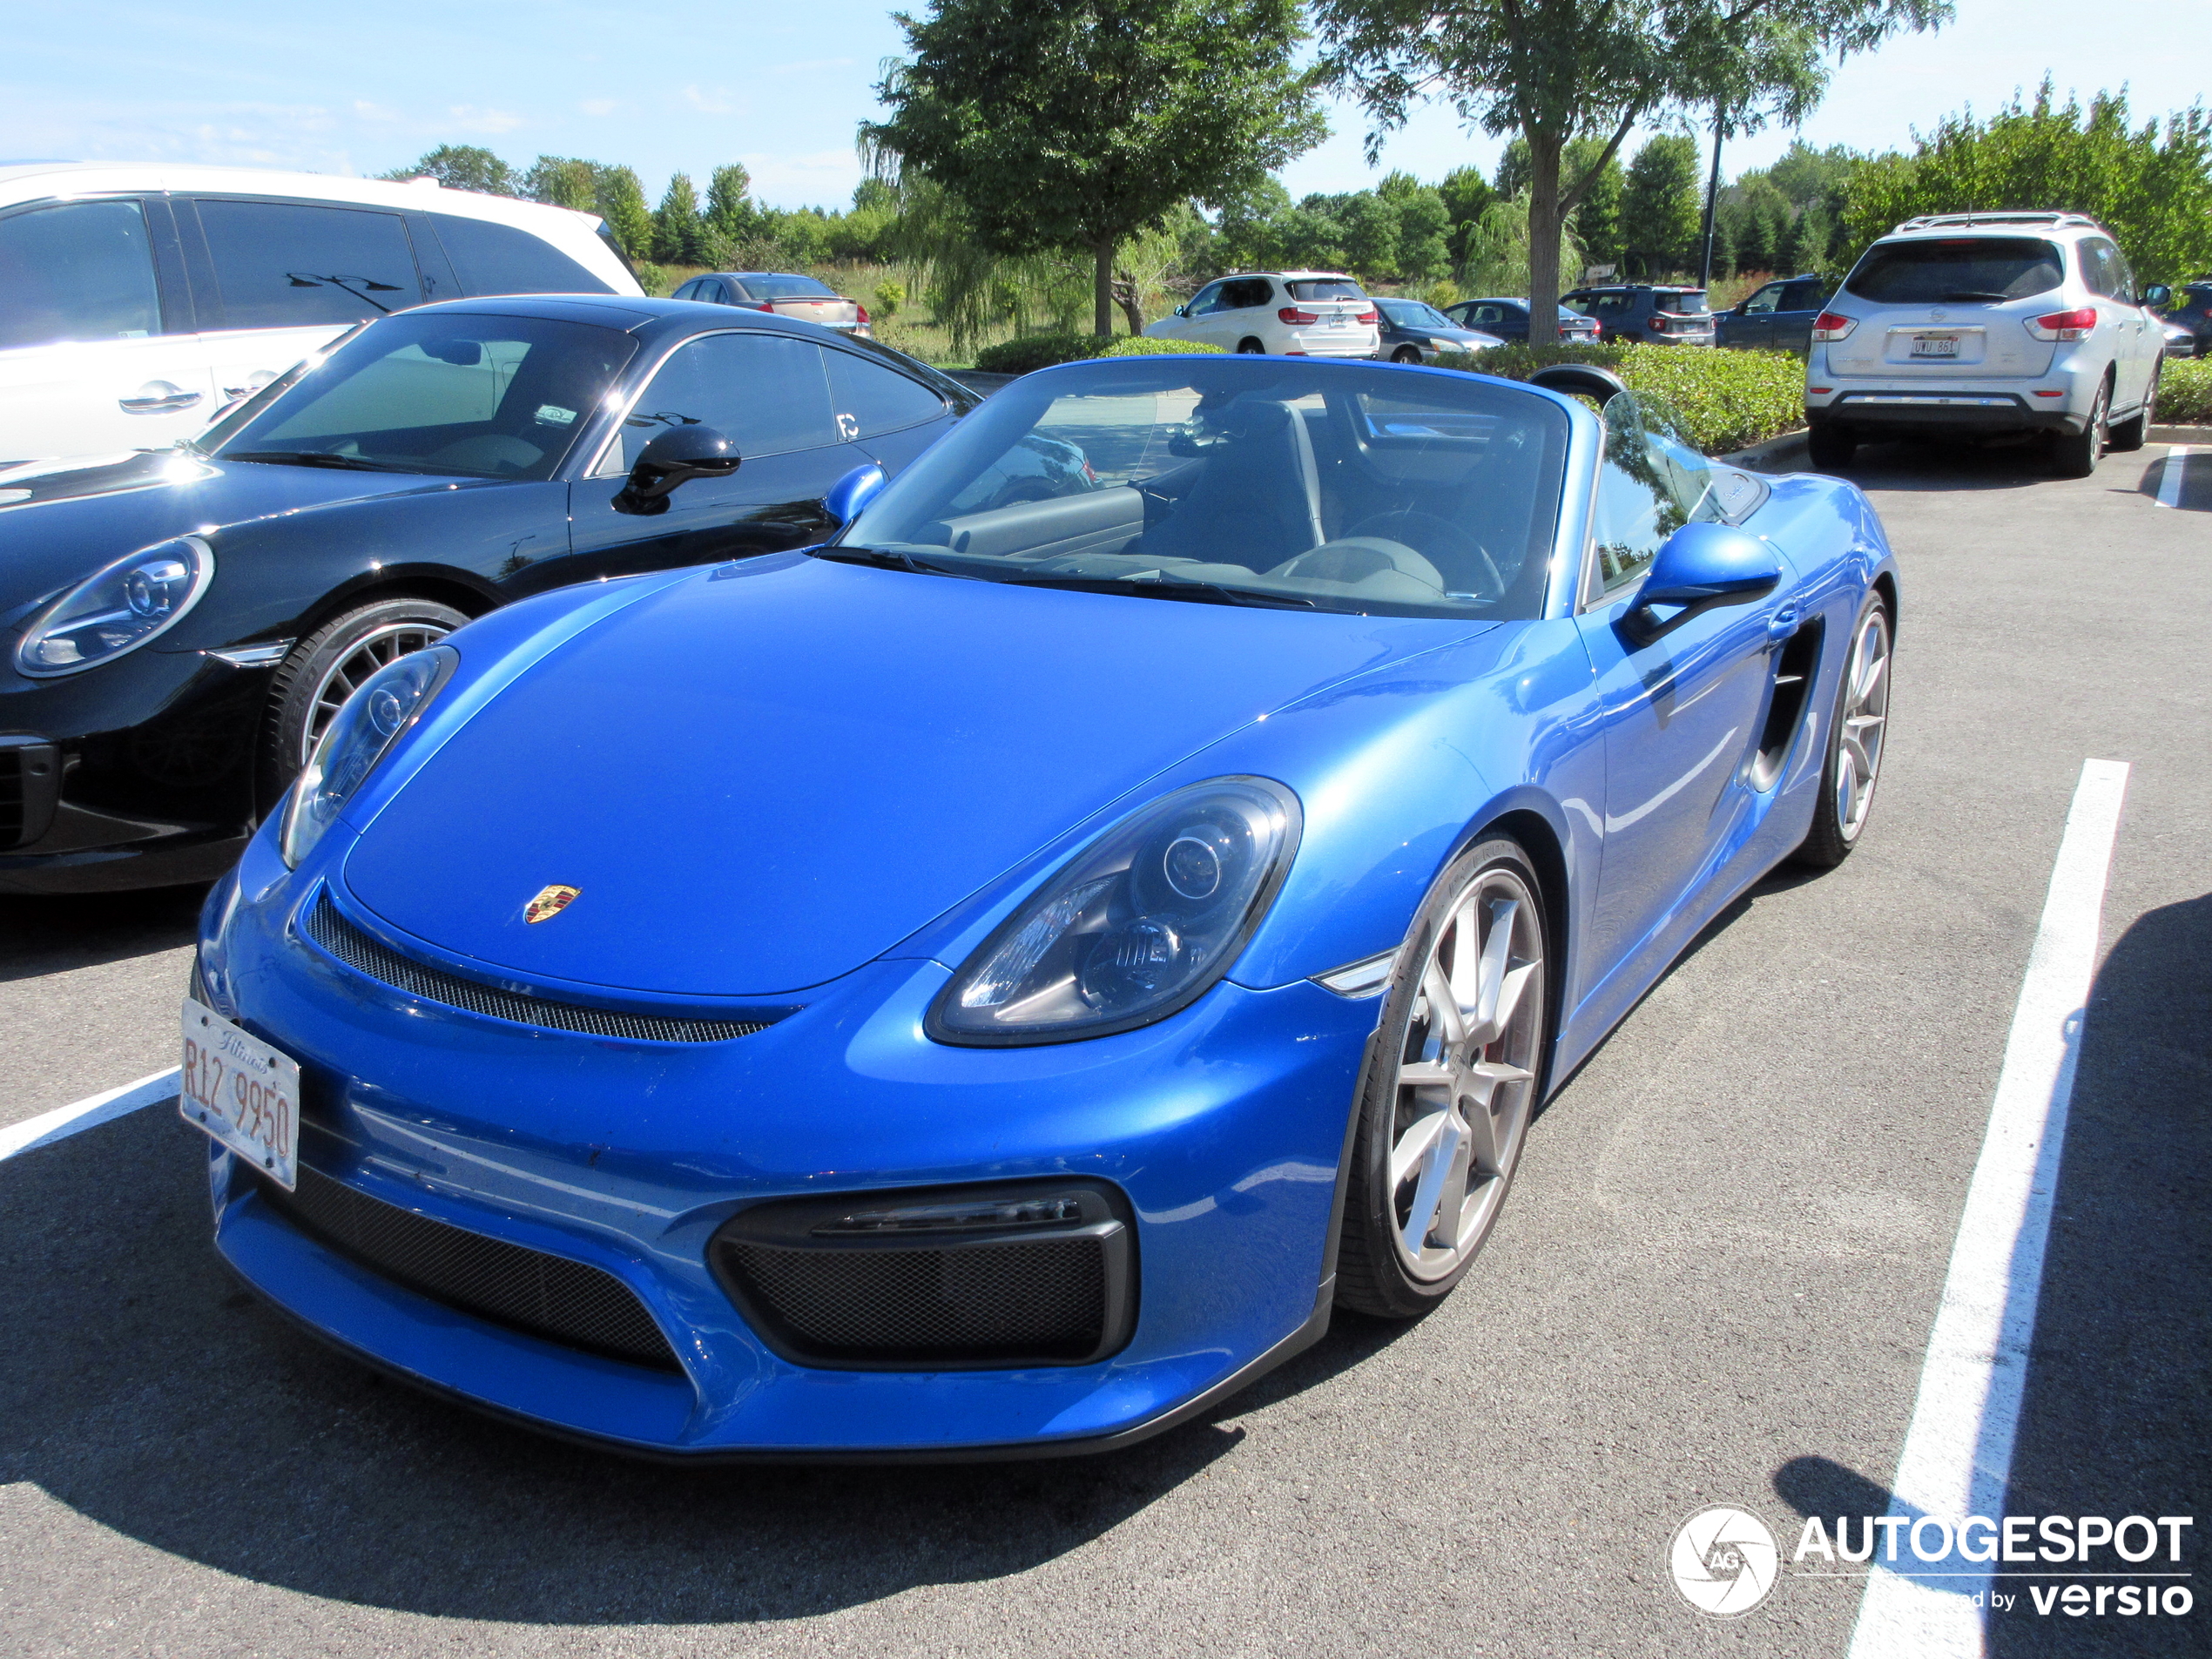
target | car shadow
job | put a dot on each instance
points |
(1926, 465)
(147, 1392)
(47, 935)
(2114, 1419)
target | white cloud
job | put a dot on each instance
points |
(469, 118)
(717, 102)
(598, 106)
(364, 111)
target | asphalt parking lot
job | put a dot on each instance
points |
(1713, 1283)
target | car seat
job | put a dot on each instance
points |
(1258, 501)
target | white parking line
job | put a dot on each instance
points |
(65, 1121)
(1958, 1451)
(2170, 482)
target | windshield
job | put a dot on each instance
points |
(1328, 486)
(1326, 288)
(1412, 314)
(486, 397)
(786, 287)
(1967, 268)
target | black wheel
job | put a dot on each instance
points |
(326, 666)
(1830, 450)
(1457, 1077)
(2075, 455)
(1406, 354)
(1856, 737)
(1249, 347)
(2128, 436)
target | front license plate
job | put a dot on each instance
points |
(1935, 344)
(241, 1091)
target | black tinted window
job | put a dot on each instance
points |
(1326, 288)
(498, 259)
(1683, 303)
(766, 394)
(788, 288)
(1982, 267)
(80, 272)
(282, 265)
(1804, 296)
(867, 398)
(1246, 294)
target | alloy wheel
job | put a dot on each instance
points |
(372, 652)
(1863, 721)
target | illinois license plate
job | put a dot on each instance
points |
(1935, 344)
(241, 1091)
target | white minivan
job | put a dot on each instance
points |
(137, 302)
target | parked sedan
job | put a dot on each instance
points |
(785, 293)
(997, 983)
(1508, 320)
(1778, 317)
(178, 629)
(1415, 332)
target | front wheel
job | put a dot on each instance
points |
(1856, 736)
(1406, 354)
(322, 672)
(1456, 1078)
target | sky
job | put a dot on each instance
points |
(781, 88)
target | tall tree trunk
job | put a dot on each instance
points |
(1543, 237)
(1126, 296)
(1103, 291)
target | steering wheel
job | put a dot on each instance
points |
(1439, 539)
(1354, 558)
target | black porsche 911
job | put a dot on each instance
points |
(176, 627)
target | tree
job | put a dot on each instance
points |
(679, 235)
(463, 166)
(1597, 222)
(1466, 194)
(563, 181)
(620, 200)
(1661, 209)
(1423, 225)
(1067, 124)
(1552, 71)
(731, 215)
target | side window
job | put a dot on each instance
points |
(1803, 296)
(2127, 289)
(1489, 314)
(499, 258)
(1650, 485)
(689, 291)
(81, 271)
(2097, 275)
(1766, 301)
(1247, 295)
(285, 265)
(1207, 300)
(767, 394)
(867, 398)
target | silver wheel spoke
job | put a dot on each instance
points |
(1413, 1147)
(1443, 1007)
(1436, 1168)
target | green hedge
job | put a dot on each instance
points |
(1043, 351)
(2185, 393)
(1725, 400)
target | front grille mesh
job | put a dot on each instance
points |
(358, 951)
(548, 1295)
(1012, 1299)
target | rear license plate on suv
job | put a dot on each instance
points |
(1935, 344)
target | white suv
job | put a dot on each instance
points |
(1292, 313)
(136, 302)
(1986, 323)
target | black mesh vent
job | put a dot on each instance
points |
(358, 951)
(11, 797)
(548, 1295)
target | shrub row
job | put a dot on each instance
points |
(1725, 400)
(1043, 351)
(2185, 393)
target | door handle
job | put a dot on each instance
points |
(1782, 624)
(158, 397)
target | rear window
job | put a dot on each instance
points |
(1987, 268)
(1685, 302)
(786, 287)
(1326, 288)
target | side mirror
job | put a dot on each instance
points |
(1183, 310)
(676, 456)
(2158, 296)
(1700, 567)
(853, 492)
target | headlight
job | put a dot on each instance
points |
(1135, 927)
(118, 609)
(385, 703)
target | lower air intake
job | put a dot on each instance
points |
(941, 1279)
(547, 1296)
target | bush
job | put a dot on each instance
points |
(1725, 400)
(2185, 393)
(889, 296)
(1019, 355)
(653, 280)
(1144, 346)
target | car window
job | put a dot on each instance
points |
(1248, 294)
(689, 291)
(500, 259)
(767, 394)
(1979, 268)
(1766, 301)
(788, 287)
(1650, 484)
(1206, 300)
(1803, 296)
(80, 272)
(867, 398)
(493, 397)
(287, 265)
(1607, 305)
(1325, 289)
(1492, 313)
(1681, 302)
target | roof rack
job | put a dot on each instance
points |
(1929, 221)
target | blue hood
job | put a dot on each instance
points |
(761, 779)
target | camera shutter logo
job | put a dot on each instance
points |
(1724, 1561)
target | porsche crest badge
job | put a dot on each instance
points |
(550, 902)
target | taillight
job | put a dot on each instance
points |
(2065, 324)
(1658, 325)
(757, 305)
(1296, 318)
(1833, 325)
(863, 310)
(1369, 315)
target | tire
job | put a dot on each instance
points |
(1250, 347)
(2075, 455)
(1406, 354)
(1830, 450)
(2128, 436)
(326, 665)
(1857, 733)
(1451, 1116)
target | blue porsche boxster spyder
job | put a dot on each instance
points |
(995, 981)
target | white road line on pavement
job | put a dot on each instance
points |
(2170, 481)
(65, 1121)
(1958, 1451)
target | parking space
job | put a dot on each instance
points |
(1713, 1283)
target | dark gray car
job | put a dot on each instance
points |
(1778, 317)
(1413, 331)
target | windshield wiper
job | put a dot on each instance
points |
(1975, 294)
(884, 558)
(313, 458)
(1164, 587)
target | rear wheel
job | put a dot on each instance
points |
(1455, 1083)
(1830, 450)
(2075, 455)
(1250, 346)
(2128, 436)
(324, 668)
(1856, 739)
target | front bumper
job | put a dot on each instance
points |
(1224, 1127)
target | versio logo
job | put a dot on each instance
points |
(1724, 1561)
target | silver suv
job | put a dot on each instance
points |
(1972, 324)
